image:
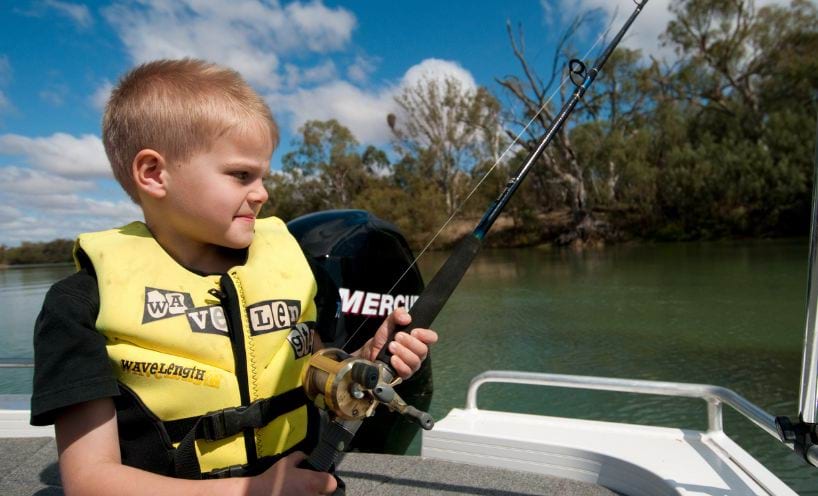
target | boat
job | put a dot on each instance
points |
(475, 451)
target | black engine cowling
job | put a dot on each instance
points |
(365, 256)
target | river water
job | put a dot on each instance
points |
(723, 313)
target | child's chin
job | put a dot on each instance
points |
(238, 244)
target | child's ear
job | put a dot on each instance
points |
(149, 173)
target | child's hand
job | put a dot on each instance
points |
(285, 478)
(409, 349)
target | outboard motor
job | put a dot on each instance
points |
(365, 256)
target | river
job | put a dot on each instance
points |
(724, 313)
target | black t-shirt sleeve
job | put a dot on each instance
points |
(328, 304)
(70, 360)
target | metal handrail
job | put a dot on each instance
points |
(16, 363)
(715, 396)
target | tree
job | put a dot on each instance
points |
(327, 159)
(446, 130)
(728, 49)
(56, 251)
(744, 85)
(583, 165)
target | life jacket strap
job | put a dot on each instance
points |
(228, 422)
(225, 423)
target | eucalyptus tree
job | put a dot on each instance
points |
(745, 80)
(584, 163)
(444, 131)
(728, 49)
(327, 163)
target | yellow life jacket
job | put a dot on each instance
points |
(216, 360)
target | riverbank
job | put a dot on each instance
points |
(555, 228)
(551, 229)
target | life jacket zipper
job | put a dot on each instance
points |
(232, 310)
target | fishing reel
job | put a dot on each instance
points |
(350, 388)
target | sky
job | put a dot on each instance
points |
(309, 60)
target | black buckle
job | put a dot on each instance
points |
(222, 424)
(226, 473)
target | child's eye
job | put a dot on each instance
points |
(241, 176)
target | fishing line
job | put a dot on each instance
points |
(480, 182)
(342, 429)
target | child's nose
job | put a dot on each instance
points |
(258, 194)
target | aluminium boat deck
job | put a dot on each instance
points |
(29, 467)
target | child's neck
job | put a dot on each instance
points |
(198, 257)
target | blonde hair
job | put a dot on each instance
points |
(177, 107)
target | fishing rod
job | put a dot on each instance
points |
(350, 388)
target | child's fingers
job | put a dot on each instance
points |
(427, 336)
(400, 317)
(314, 482)
(401, 368)
(412, 343)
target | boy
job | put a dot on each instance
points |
(177, 349)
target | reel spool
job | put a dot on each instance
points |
(341, 383)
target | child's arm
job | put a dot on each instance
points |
(409, 349)
(90, 463)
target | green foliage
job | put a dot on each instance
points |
(447, 130)
(57, 251)
(326, 166)
(721, 144)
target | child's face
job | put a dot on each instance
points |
(213, 198)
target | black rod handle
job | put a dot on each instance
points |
(334, 440)
(437, 292)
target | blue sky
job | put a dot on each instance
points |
(310, 60)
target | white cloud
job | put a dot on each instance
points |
(71, 204)
(9, 213)
(77, 13)
(645, 31)
(247, 35)
(361, 68)
(438, 70)
(19, 228)
(59, 215)
(29, 182)
(363, 111)
(100, 97)
(321, 28)
(547, 10)
(643, 34)
(60, 153)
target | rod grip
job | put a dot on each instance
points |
(437, 292)
(334, 440)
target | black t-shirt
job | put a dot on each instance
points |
(71, 363)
